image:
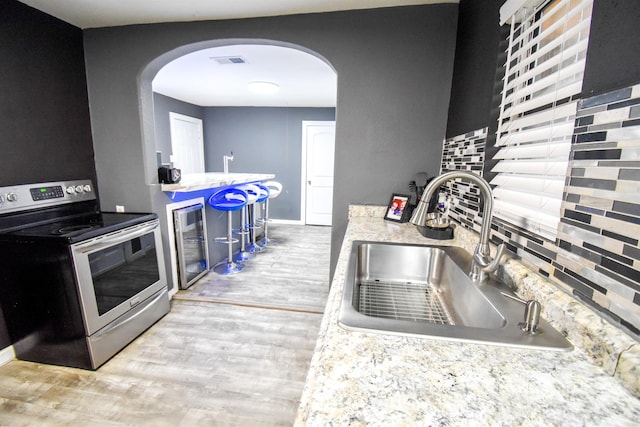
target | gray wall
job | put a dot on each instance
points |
(478, 47)
(44, 114)
(162, 106)
(613, 58)
(394, 70)
(263, 140)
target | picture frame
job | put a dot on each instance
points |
(398, 208)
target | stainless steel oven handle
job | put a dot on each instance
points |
(114, 239)
(127, 319)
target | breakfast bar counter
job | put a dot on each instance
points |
(204, 181)
(360, 378)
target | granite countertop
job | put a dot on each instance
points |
(358, 378)
(203, 181)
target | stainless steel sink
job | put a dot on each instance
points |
(426, 291)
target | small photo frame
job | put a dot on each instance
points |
(398, 208)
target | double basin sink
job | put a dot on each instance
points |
(425, 291)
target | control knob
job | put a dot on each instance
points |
(1, 198)
(79, 189)
(11, 197)
(71, 190)
(87, 188)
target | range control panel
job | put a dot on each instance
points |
(47, 193)
(30, 196)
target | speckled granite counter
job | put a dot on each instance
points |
(203, 181)
(358, 378)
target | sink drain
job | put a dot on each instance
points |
(418, 302)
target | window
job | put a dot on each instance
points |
(543, 80)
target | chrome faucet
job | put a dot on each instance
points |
(482, 263)
(227, 159)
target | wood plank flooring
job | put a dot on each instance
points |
(233, 351)
(298, 260)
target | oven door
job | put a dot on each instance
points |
(117, 271)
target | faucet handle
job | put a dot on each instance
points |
(485, 262)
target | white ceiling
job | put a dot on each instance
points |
(304, 80)
(109, 13)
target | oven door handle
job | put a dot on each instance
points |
(126, 319)
(114, 238)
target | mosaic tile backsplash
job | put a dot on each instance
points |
(464, 152)
(596, 255)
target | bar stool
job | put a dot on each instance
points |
(275, 188)
(229, 199)
(244, 231)
(263, 195)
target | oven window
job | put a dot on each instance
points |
(121, 271)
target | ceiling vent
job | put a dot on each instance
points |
(225, 60)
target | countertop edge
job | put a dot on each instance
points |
(203, 181)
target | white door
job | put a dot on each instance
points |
(318, 146)
(187, 143)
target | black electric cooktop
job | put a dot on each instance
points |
(82, 227)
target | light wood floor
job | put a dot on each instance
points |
(292, 274)
(233, 351)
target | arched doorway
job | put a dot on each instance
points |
(149, 126)
(196, 75)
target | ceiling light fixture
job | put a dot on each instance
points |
(263, 88)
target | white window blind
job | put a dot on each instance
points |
(543, 79)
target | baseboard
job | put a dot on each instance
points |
(7, 355)
(287, 221)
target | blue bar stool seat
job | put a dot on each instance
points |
(275, 188)
(228, 199)
(263, 195)
(245, 228)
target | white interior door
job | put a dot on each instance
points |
(319, 147)
(187, 143)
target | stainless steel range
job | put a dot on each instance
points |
(76, 284)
